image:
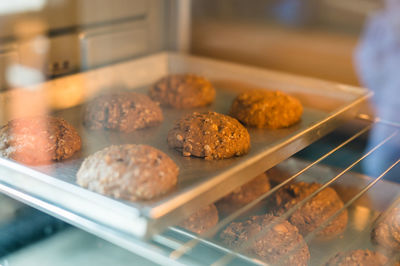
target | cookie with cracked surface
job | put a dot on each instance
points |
(202, 220)
(358, 257)
(209, 135)
(281, 244)
(315, 211)
(266, 109)
(243, 195)
(386, 232)
(38, 140)
(183, 91)
(130, 172)
(122, 111)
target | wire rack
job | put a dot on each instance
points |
(181, 247)
(178, 247)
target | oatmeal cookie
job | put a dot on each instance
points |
(243, 195)
(202, 220)
(183, 91)
(386, 232)
(281, 244)
(357, 258)
(38, 140)
(315, 211)
(266, 109)
(130, 172)
(122, 111)
(209, 135)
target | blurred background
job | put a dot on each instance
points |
(313, 38)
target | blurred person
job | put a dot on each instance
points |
(377, 61)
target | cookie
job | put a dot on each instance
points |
(202, 220)
(357, 258)
(315, 211)
(281, 244)
(266, 109)
(130, 172)
(243, 195)
(183, 91)
(122, 111)
(38, 140)
(386, 232)
(209, 135)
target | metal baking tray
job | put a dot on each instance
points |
(52, 188)
(362, 213)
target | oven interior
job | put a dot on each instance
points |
(69, 45)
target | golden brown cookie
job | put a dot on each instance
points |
(358, 258)
(243, 195)
(281, 244)
(315, 211)
(38, 140)
(209, 135)
(202, 220)
(183, 91)
(130, 172)
(386, 232)
(266, 109)
(122, 111)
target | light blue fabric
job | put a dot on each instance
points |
(377, 60)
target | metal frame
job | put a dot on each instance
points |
(179, 30)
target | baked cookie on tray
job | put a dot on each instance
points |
(130, 172)
(209, 135)
(122, 111)
(202, 220)
(266, 109)
(280, 245)
(386, 232)
(38, 140)
(243, 195)
(315, 211)
(183, 91)
(358, 257)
